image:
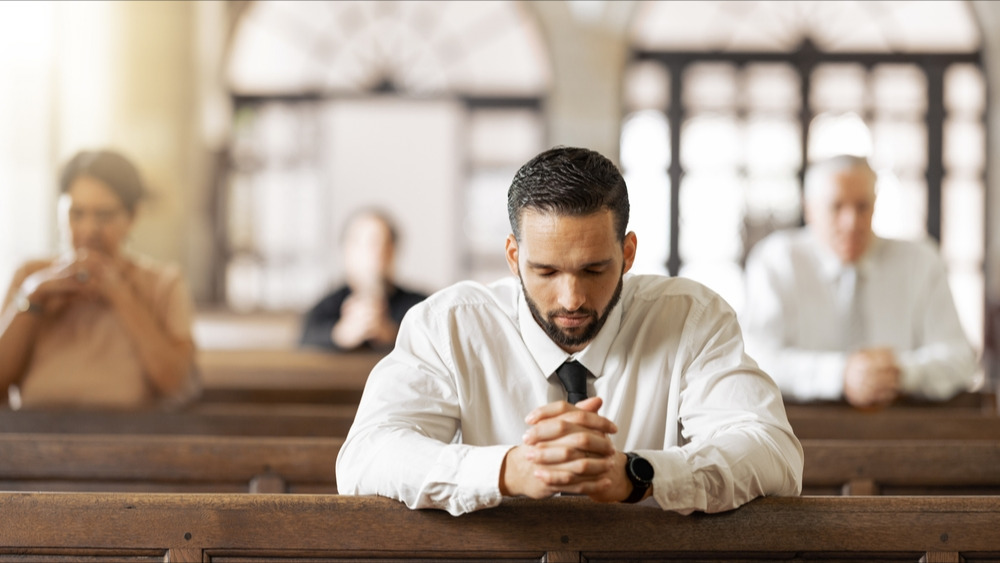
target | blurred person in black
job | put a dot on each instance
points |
(365, 312)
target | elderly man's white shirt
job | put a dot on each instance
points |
(440, 412)
(791, 327)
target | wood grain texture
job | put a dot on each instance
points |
(895, 425)
(944, 463)
(169, 460)
(206, 420)
(315, 527)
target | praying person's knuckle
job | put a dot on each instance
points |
(562, 426)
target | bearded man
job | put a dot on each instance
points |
(571, 376)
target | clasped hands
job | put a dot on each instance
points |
(871, 378)
(85, 276)
(364, 318)
(566, 450)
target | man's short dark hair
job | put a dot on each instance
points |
(568, 181)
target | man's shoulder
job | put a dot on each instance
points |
(472, 295)
(648, 288)
(919, 246)
(910, 251)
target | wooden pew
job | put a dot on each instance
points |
(283, 376)
(218, 420)
(224, 527)
(152, 463)
(896, 425)
(174, 463)
(894, 467)
(981, 402)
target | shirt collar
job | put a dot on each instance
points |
(831, 266)
(549, 356)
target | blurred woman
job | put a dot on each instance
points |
(97, 327)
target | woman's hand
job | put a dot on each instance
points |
(100, 276)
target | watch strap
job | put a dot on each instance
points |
(639, 484)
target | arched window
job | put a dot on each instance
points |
(737, 96)
(422, 108)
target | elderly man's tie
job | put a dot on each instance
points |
(574, 378)
(853, 330)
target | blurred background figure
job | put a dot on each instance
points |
(97, 327)
(260, 119)
(366, 311)
(834, 311)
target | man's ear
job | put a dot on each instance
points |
(629, 250)
(511, 254)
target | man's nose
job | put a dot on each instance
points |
(848, 218)
(571, 293)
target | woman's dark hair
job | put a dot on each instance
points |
(111, 168)
(568, 181)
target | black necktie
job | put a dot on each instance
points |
(574, 378)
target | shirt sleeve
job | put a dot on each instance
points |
(409, 417)
(736, 443)
(944, 363)
(768, 322)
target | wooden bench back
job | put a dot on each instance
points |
(223, 527)
(124, 462)
(135, 462)
(216, 420)
(284, 376)
(893, 426)
(914, 467)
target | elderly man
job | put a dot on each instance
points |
(570, 376)
(835, 312)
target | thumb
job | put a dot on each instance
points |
(590, 404)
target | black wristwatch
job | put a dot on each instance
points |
(640, 472)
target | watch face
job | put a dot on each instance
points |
(641, 468)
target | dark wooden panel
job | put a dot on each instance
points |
(981, 402)
(913, 463)
(284, 376)
(896, 425)
(319, 527)
(164, 461)
(303, 420)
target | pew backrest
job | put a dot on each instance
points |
(283, 376)
(222, 527)
(248, 420)
(910, 467)
(822, 424)
(151, 463)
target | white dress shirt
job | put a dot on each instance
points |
(440, 412)
(794, 328)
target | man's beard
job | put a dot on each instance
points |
(560, 336)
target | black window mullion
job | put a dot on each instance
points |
(675, 117)
(935, 143)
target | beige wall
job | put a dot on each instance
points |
(588, 56)
(169, 107)
(989, 18)
(127, 79)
